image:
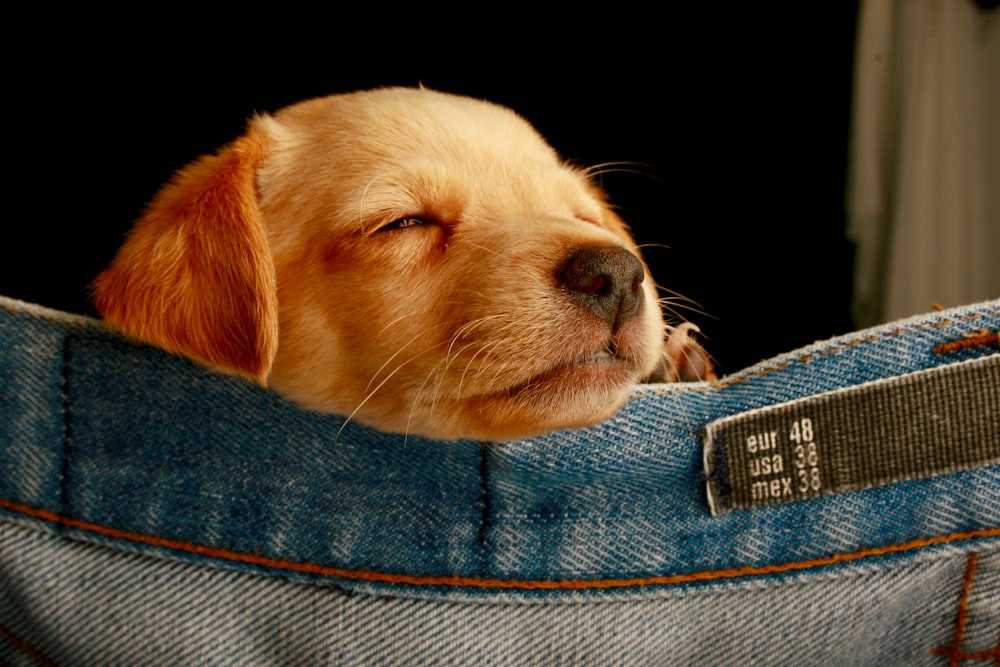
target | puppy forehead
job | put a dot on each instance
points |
(401, 137)
(391, 121)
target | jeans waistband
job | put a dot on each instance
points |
(114, 443)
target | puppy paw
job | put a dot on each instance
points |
(684, 359)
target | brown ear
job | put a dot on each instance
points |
(195, 274)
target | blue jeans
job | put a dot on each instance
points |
(155, 513)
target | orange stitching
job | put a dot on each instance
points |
(25, 648)
(774, 369)
(954, 652)
(727, 382)
(963, 603)
(478, 582)
(981, 338)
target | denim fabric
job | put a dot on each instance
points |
(152, 512)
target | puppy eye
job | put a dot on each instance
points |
(402, 223)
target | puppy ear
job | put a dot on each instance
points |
(195, 274)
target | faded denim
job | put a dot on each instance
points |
(155, 513)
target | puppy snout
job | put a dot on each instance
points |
(607, 281)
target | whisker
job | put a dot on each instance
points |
(675, 300)
(387, 362)
(484, 349)
(437, 375)
(619, 165)
(659, 246)
(399, 319)
(361, 204)
(471, 325)
(368, 397)
(487, 249)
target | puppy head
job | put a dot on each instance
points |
(418, 261)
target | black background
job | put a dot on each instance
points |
(736, 119)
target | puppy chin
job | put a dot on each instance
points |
(571, 393)
(566, 398)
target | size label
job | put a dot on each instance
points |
(926, 423)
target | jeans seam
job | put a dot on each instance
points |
(979, 339)
(484, 490)
(67, 426)
(485, 583)
(954, 652)
(25, 648)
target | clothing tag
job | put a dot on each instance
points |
(925, 423)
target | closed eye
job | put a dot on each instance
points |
(403, 223)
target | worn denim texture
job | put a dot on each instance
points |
(153, 512)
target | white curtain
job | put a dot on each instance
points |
(923, 198)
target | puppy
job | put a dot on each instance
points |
(417, 261)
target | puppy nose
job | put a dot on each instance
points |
(607, 281)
